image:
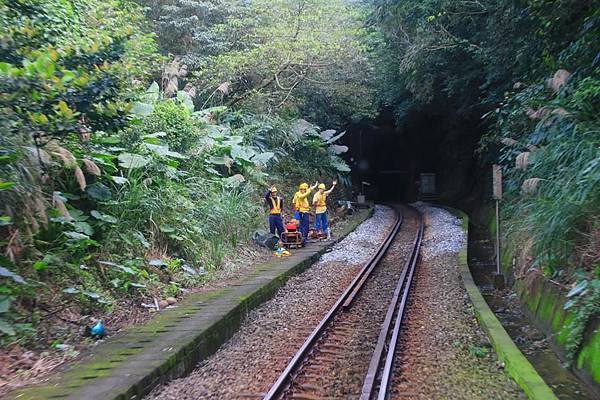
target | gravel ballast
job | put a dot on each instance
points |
(338, 365)
(250, 362)
(443, 353)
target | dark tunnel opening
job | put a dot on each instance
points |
(391, 157)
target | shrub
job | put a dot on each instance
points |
(175, 120)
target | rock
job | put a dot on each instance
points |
(163, 304)
(171, 300)
(559, 80)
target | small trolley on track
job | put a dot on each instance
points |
(292, 237)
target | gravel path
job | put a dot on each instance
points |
(443, 354)
(250, 362)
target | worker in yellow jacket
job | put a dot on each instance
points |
(320, 203)
(301, 204)
(275, 203)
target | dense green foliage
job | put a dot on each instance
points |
(447, 52)
(112, 189)
(137, 137)
(306, 57)
(64, 69)
(531, 67)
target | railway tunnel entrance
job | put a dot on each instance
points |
(391, 157)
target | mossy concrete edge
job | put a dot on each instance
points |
(196, 348)
(516, 364)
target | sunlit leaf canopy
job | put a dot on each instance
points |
(274, 55)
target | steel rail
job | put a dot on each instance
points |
(372, 263)
(370, 381)
(284, 381)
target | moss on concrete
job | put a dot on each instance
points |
(589, 356)
(545, 301)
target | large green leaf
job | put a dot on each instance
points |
(83, 227)
(6, 327)
(208, 111)
(327, 134)
(242, 153)
(152, 93)
(302, 127)
(186, 100)
(164, 151)
(131, 161)
(166, 228)
(119, 180)
(104, 217)
(98, 191)
(338, 149)
(339, 164)
(234, 180)
(154, 138)
(142, 109)
(263, 158)
(5, 272)
(4, 304)
(224, 160)
(336, 137)
(235, 139)
(76, 235)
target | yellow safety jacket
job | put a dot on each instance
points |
(275, 205)
(301, 201)
(320, 202)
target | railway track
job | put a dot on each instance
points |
(351, 351)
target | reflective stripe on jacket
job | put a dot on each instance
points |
(320, 202)
(274, 203)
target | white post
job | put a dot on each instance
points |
(497, 236)
(497, 194)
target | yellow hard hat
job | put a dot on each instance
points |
(321, 186)
(304, 186)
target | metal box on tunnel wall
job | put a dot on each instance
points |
(427, 186)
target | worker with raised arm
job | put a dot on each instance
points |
(275, 204)
(320, 203)
(301, 203)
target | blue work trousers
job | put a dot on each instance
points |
(304, 226)
(276, 224)
(322, 223)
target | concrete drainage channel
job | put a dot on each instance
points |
(131, 364)
(516, 364)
